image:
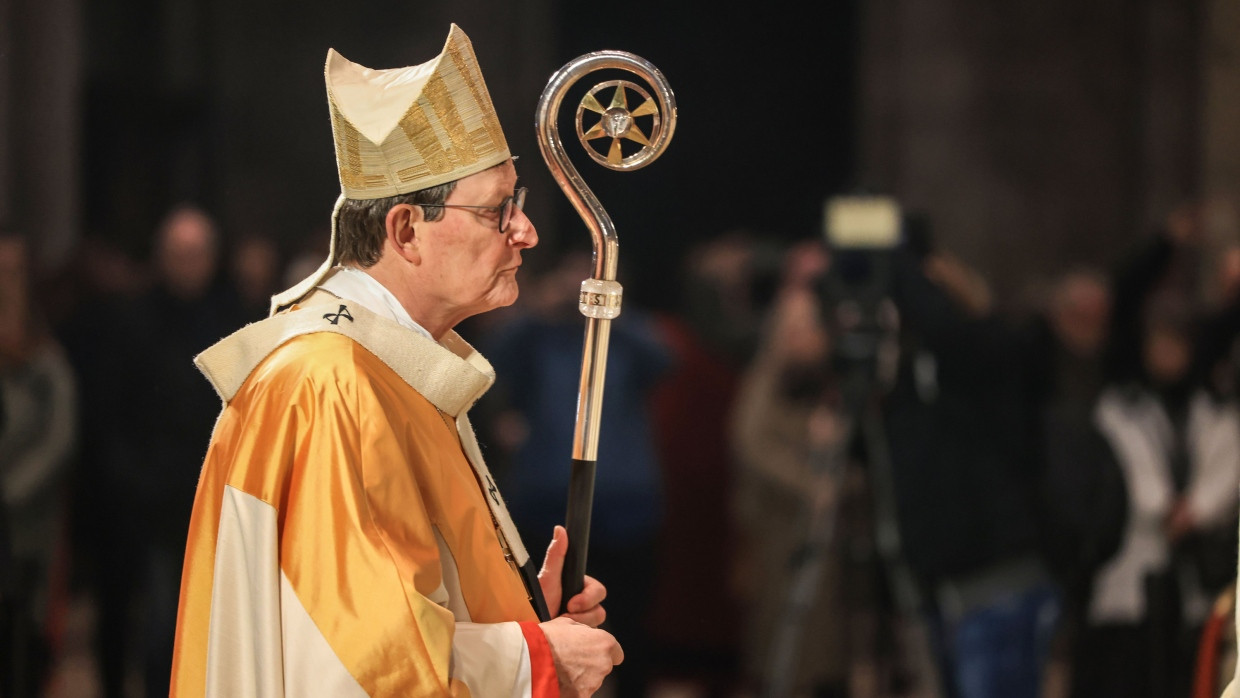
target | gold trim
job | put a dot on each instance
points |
(425, 142)
(472, 77)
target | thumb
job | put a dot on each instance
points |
(553, 563)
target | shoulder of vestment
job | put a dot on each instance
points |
(450, 374)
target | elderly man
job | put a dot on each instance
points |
(347, 538)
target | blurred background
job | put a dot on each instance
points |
(1037, 440)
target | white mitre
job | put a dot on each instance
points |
(406, 129)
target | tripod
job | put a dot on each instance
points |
(862, 363)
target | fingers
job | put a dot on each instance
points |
(553, 566)
(592, 594)
(593, 617)
(586, 607)
(553, 563)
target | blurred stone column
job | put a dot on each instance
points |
(1170, 111)
(1042, 135)
(878, 112)
(41, 164)
(6, 109)
(1220, 122)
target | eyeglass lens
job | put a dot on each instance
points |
(516, 201)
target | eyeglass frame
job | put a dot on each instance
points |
(509, 204)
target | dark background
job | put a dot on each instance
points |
(239, 121)
(1035, 137)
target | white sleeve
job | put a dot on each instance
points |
(491, 659)
(1214, 492)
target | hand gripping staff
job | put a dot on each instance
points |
(600, 294)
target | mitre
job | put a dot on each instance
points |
(405, 129)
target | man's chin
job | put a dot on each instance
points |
(505, 299)
(512, 297)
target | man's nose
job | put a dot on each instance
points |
(522, 231)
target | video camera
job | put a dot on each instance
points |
(863, 234)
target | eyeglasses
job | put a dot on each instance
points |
(503, 210)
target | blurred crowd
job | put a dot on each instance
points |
(821, 473)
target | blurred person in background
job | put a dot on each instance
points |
(1077, 318)
(150, 464)
(306, 258)
(538, 364)
(100, 286)
(38, 403)
(724, 290)
(1082, 498)
(254, 268)
(965, 479)
(734, 279)
(786, 420)
(1177, 438)
(1217, 361)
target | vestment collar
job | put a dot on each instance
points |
(452, 375)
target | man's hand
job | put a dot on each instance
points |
(962, 283)
(1185, 224)
(1180, 521)
(585, 607)
(583, 656)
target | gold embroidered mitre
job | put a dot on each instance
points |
(405, 129)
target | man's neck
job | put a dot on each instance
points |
(419, 306)
(366, 288)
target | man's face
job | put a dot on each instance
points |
(187, 253)
(1167, 354)
(468, 265)
(1080, 315)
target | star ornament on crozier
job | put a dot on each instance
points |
(618, 123)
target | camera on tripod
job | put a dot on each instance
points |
(863, 234)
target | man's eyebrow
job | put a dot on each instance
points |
(510, 192)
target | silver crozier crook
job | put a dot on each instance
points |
(600, 294)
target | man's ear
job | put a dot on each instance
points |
(402, 226)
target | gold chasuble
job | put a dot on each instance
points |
(347, 539)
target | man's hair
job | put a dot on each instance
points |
(362, 224)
